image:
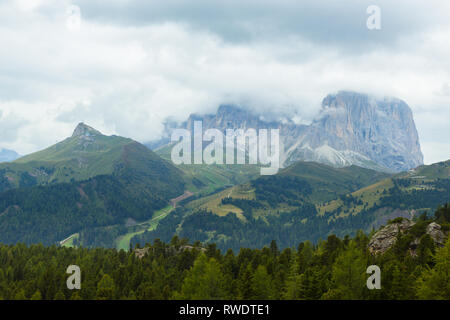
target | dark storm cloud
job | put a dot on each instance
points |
(337, 23)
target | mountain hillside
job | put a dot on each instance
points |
(87, 181)
(306, 201)
(86, 154)
(403, 195)
(206, 179)
(300, 183)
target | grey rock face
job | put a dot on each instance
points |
(83, 130)
(434, 230)
(387, 236)
(8, 155)
(355, 128)
(351, 129)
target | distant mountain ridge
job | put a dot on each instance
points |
(351, 129)
(8, 155)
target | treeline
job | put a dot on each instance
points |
(287, 228)
(230, 232)
(331, 269)
(104, 237)
(426, 196)
(438, 191)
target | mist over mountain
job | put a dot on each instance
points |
(8, 155)
(358, 129)
(351, 129)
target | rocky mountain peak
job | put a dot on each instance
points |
(351, 129)
(84, 130)
(356, 128)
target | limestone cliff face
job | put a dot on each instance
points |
(355, 128)
(351, 129)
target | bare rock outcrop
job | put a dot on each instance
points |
(435, 232)
(387, 236)
(140, 253)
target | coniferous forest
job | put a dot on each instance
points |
(331, 269)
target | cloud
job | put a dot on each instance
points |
(132, 64)
(9, 122)
(341, 23)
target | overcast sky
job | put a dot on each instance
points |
(129, 64)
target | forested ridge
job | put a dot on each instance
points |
(49, 214)
(331, 269)
(299, 223)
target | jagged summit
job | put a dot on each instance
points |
(83, 129)
(351, 129)
(357, 128)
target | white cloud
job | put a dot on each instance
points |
(126, 78)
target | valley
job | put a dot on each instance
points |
(114, 192)
(306, 201)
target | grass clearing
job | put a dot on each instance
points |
(68, 243)
(214, 204)
(123, 242)
(370, 195)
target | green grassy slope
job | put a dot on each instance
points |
(81, 157)
(328, 182)
(204, 179)
(43, 198)
(440, 170)
(77, 158)
(306, 202)
(123, 242)
(301, 182)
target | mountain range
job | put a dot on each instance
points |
(109, 191)
(351, 128)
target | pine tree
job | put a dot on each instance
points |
(204, 281)
(262, 286)
(36, 296)
(105, 288)
(245, 283)
(59, 296)
(75, 296)
(20, 295)
(435, 283)
(293, 290)
(349, 274)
